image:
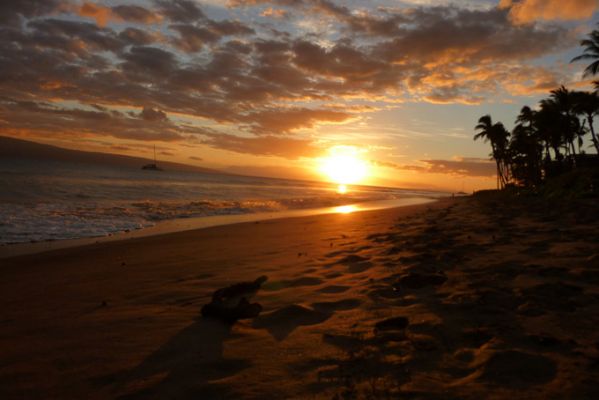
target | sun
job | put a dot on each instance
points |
(344, 166)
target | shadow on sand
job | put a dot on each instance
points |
(184, 367)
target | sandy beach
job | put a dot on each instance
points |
(464, 298)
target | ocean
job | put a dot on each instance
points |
(55, 200)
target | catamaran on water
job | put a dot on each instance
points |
(153, 166)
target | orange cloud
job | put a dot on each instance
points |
(274, 13)
(104, 14)
(531, 10)
(459, 166)
(100, 13)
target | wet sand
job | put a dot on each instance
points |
(461, 299)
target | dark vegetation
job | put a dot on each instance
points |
(546, 152)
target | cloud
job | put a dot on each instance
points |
(147, 61)
(192, 38)
(135, 14)
(45, 119)
(472, 167)
(150, 114)
(12, 12)
(526, 11)
(138, 37)
(274, 13)
(266, 79)
(278, 121)
(77, 36)
(263, 145)
(185, 11)
(132, 13)
(120, 147)
(196, 158)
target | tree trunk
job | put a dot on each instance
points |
(595, 142)
(498, 174)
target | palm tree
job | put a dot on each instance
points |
(526, 150)
(526, 116)
(525, 155)
(549, 123)
(564, 102)
(591, 52)
(587, 105)
(498, 136)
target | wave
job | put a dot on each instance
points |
(53, 202)
(55, 221)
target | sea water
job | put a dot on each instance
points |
(52, 200)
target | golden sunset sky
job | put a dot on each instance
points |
(270, 88)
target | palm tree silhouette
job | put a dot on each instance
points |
(498, 136)
(587, 105)
(551, 126)
(526, 117)
(525, 155)
(591, 52)
(564, 102)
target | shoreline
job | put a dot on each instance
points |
(188, 224)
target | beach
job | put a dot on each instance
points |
(464, 298)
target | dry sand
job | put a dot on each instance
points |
(461, 299)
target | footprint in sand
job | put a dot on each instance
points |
(355, 263)
(333, 289)
(518, 369)
(282, 322)
(303, 281)
(332, 306)
(555, 296)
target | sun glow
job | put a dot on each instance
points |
(344, 166)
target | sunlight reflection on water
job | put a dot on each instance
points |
(345, 209)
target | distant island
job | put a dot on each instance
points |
(24, 149)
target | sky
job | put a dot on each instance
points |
(273, 87)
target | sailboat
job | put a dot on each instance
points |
(154, 166)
